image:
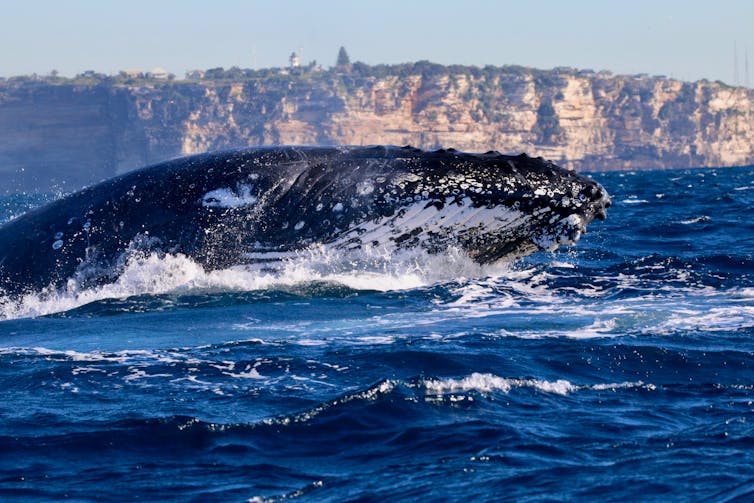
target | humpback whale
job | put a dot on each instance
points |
(260, 204)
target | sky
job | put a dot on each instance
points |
(689, 40)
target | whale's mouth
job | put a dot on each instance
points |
(560, 222)
(599, 202)
(591, 204)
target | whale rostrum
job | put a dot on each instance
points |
(262, 204)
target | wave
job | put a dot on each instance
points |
(274, 458)
(414, 390)
(478, 421)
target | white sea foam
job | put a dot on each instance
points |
(123, 357)
(744, 293)
(248, 373)
(366, 269)
(488, 383)
(690, 221)
(716, 319)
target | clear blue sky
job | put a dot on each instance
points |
(689, 39)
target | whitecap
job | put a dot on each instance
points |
(715, 319)
(488, 383)
(703, 218)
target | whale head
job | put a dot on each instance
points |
(494, 207)
(502, 207)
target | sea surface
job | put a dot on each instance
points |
(619, 369)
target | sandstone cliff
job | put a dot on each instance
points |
(75, 132)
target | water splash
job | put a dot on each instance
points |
(373, 269)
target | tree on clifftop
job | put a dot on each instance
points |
(343, 59)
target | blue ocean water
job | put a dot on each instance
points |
(619, 369)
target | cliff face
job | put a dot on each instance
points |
(55, 132)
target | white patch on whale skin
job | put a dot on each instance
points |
(451, 220)
(425, 224)
(365, 188)
(567, 231)
(401, 179)
(229, 198)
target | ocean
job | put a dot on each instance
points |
(618, 369)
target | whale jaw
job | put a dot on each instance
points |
(489, 233)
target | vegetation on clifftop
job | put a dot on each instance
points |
(314, 72)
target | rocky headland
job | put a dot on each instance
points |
(72, 132)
